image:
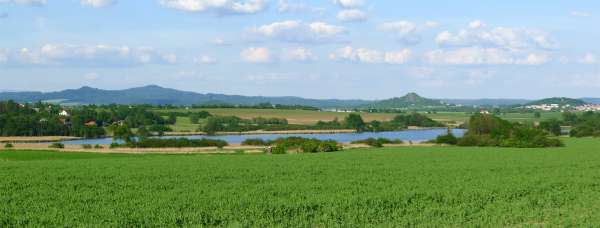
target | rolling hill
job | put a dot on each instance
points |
(561, 101)
(407, 101)
(157, 95)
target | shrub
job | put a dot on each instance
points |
(377, 142)
(448, 139)
(97, 146)
(115, 145)
(57, 146)
(86, 146)
(178, 143)
(278, 150)
(306, 145)
(8, 145)
(255, 142)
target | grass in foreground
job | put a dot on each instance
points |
(437, 186)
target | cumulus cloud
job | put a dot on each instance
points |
(299, 54)
(97, 3)
(286, 6)
(221, 7)
(406, 31)
(499, 37)
(484, 56)
(298, 32)
(68, 55)
(351, 15)
(349, 3)
(26, 2)
(256, 55)
(588, 58)
(366, 55)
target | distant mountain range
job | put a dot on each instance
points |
(562, 101)
(157, 95)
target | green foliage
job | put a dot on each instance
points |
(488, 130)
(584, 125)
(98, 146)
(86, 146)
(196, 116)
(355, 121)
(448, 139)
(552, 126)
(123, 133)
(255, 142)
(178, 143)
(305, 145)
(8, 146)
(57, 146)
(377, 142)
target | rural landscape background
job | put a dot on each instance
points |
(263, 113)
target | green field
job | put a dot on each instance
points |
(434, 186)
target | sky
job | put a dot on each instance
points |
(347, 49)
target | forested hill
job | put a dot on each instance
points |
(562, 101)
(407, 101)
(156, 95)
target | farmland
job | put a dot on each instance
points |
(408, 186)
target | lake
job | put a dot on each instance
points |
(407, 135)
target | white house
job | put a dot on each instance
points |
(63, 113)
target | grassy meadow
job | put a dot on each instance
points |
(430, 186)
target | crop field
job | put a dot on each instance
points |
(293, 116)
(311, 117)
(434, 186)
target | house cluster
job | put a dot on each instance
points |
(588, 107)
(548, 107)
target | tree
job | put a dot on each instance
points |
(537, 115)
(355, 121)
(552, 126)
(124, 133)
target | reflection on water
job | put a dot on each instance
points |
(408, 135)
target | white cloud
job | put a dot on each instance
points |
(580, 14)
(405, 31)
(221, 7)
(476, 24)
(351, 15)
(349, 3)
(398, 57)
(92, 76)
(432, 24)
(588, 59)
(500, 37)
(285, 6)
(371, 56)
(26, 2)
(69, 55)
(484, 56)
(205, 59)
(298, 32)
(98, 3)
(298, 55)
(256, 55)
(3, 56)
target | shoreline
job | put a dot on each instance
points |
(231, 149)
(37, 139)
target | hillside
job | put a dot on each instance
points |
(411, 100)
(561, 101)
(156, 95)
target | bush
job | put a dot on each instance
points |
(306, 145)
(86, 146)
(278, 150)
(57, 146)
(255, 142)
(97, 146)
(8, 145)
(115, 145)
(377, 142)
(448, 139)
(178, 143)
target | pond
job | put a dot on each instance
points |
(407, 135)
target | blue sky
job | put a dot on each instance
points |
(369, 49)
